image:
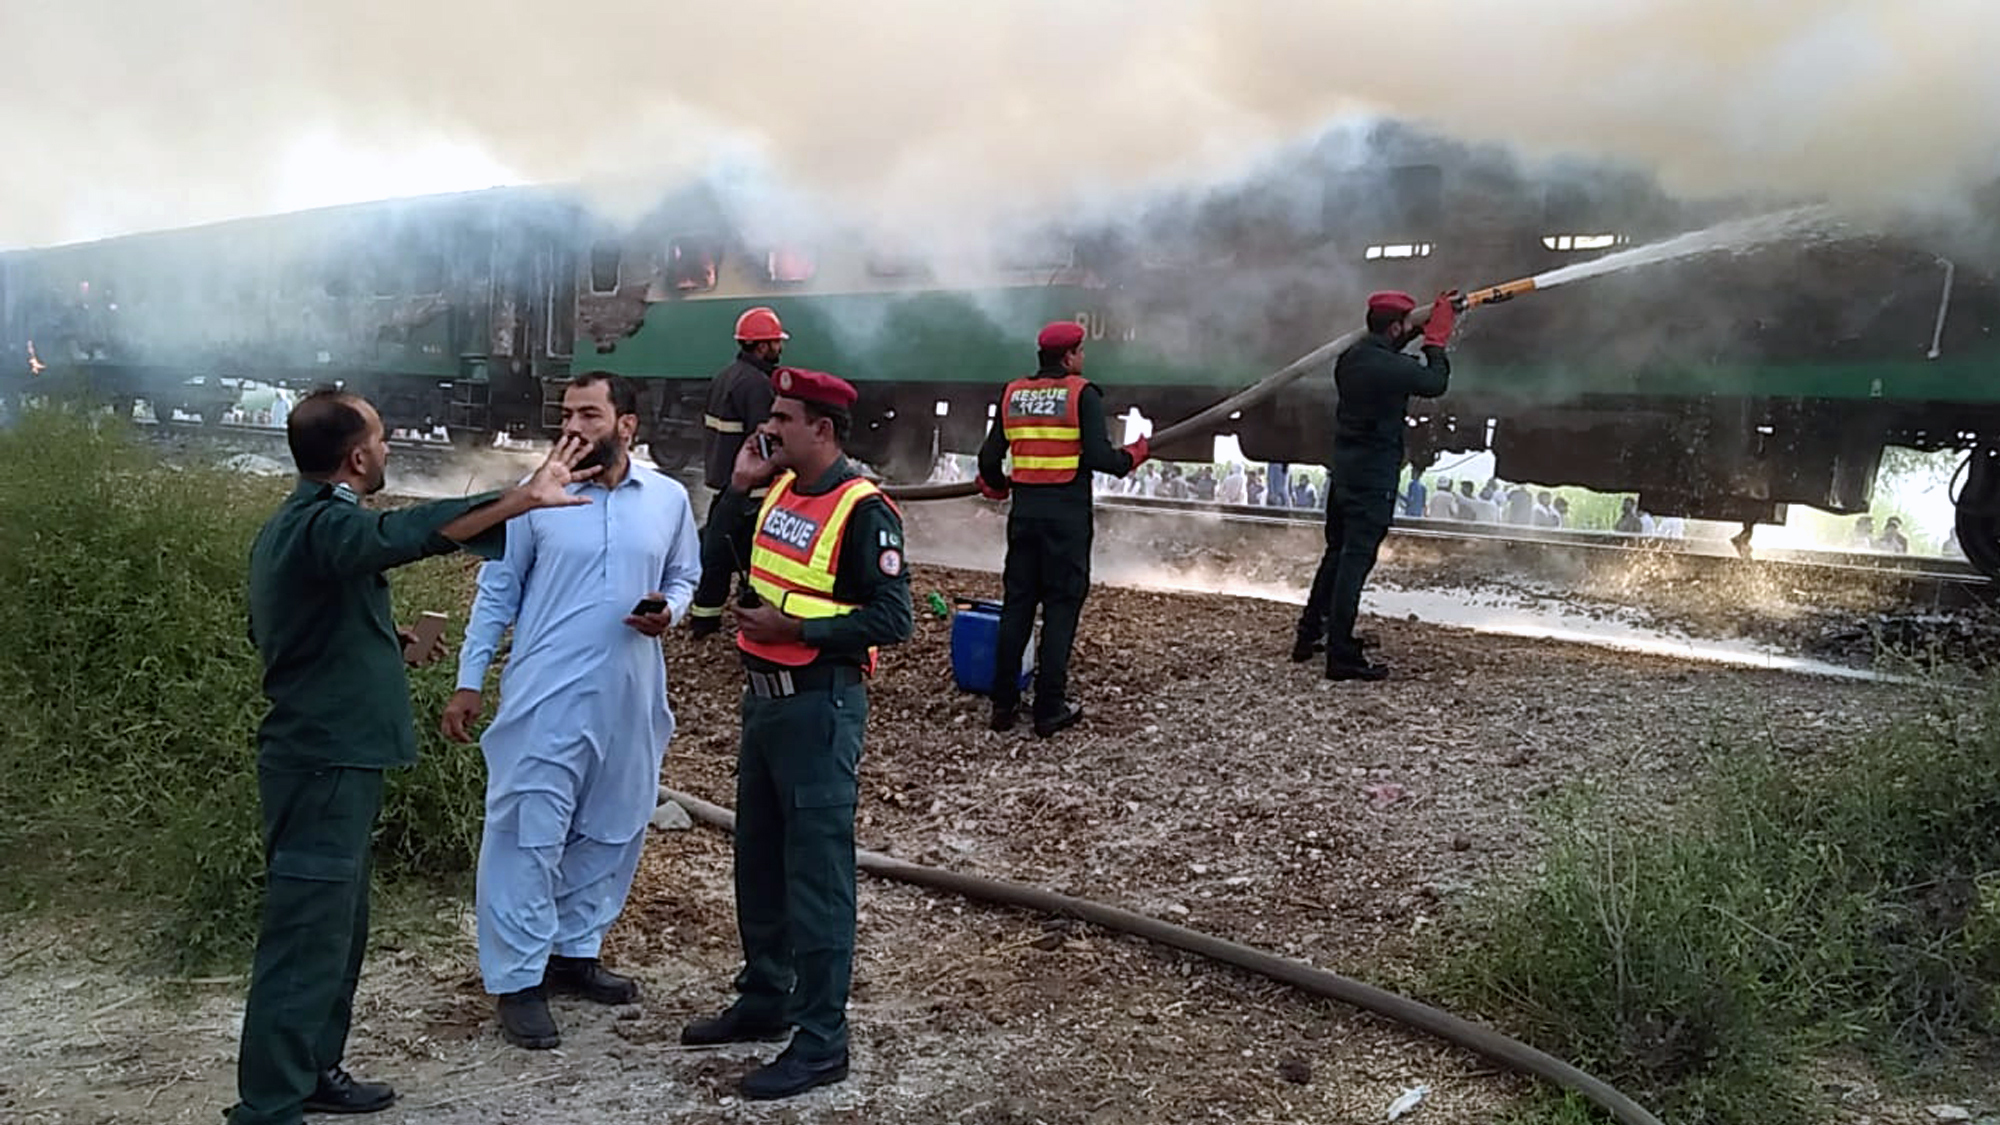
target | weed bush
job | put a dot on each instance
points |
(1794, 909)
(130, 697)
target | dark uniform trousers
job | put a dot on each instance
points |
(797, 782)
(317, 827)
(1357, 520)
(1048, 564)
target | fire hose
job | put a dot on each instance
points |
(1483, 1041)
(1257, 392)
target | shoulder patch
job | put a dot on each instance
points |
(891, 562)
(888, 538)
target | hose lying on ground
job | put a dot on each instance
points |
(1480, 1040)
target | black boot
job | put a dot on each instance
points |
(1066, 716)
(588, 978)
(1305, 648)
(791, 1074)
(525, 1020)
(338, 1092)
(1345, 662)
(1004, 715)
(734, 1025)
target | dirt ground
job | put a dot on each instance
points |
(1212, 783)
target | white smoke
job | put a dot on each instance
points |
(127, 116)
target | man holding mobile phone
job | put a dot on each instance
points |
(825, 552)
(739, 399)
(573, 755)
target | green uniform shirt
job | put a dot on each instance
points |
(319, 616)
(870, 571)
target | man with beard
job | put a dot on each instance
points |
(826, 568)
(739, 399)
(340, 716)
(573, 756)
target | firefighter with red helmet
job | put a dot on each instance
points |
(1051, 424)
(1374, 380)
(739, 399)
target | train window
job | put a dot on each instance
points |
(691, 264)
(790, 265)
(1394, 250)
(604, 265)
(1568, 242)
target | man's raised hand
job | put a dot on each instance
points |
(548, 488)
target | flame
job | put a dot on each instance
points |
(35, 364)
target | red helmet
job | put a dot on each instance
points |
(760, 323)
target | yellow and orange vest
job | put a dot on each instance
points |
(1044, 435)
(794, 557)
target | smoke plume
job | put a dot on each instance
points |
(129, 116)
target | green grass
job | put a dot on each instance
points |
(1794, 910)
(130, 697)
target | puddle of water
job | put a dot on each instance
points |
(1506, 611)
(1617, 629)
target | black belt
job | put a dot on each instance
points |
(786, 682)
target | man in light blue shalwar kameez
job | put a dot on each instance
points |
(573, 756)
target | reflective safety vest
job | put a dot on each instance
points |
(1044, 436)
(794, 556)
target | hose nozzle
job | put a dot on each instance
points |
(1494, 294)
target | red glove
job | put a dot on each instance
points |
(992, 493)
(1438, 328)
(1139, 451)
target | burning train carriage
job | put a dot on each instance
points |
(429, 307)
(1723, 387)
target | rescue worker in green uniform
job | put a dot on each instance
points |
(739, 399)
(339, 717)
(1374, 380)
(827, 586)
(1052, 426)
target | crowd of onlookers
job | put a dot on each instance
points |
(1442, 498)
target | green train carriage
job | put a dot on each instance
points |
(1724, 387)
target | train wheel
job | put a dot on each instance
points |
(1978, 516)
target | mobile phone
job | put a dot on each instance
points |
(649, 605)
(764, 446)
(429, 628)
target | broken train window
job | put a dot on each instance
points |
(691, 264)
(604, 267)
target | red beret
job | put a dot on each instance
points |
(1392, 301)
(814, 386)
(1060, 334)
